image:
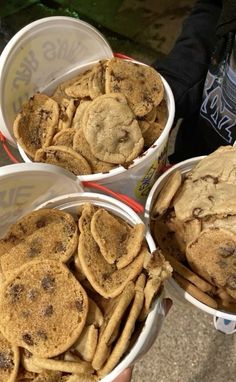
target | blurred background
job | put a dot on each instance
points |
(144, 29)
(188, 349)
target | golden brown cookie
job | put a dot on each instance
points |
(166, 238)
(124, 339)
(158, 270)
(64, 138)
(78, 117)
(162, 113)
(5, 245)
(79, 86)
(166, 194)
(105, 278)
(118, 244)
(226, 306)
(49, 376)
(94, 316)
(151, 134)
(97, 79)
(59, 94)
(112, 318)
(184, 231)
(141, 84)
(204, 197)
(32, 314)
(64, 366)
(81, 146)
(87, 343)
(27, 361)
(32, 222)
(82, 378)
(151, 115)
(226, 222)
(53, 242)
(195, 292)
(66, 114)
(213, 256)
(25, 376)
(209, 188)
(34, 126)
(144, 125)
(112, 131)
(9, 360)
(219, 166)
(189, 275)
(64, 157)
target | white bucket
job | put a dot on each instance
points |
(171, 284)
(51, 50)
(24, 186)
(153, 323)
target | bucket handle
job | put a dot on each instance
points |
(6, 149)
(121, 55)
(137, 207)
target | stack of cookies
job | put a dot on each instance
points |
(74, 294)
(102, 118)
(193, 221)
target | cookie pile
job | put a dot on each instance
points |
(74, 292)
(102, 118)
(193, 221)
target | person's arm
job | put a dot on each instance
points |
(185, 67)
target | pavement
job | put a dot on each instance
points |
(188, 348)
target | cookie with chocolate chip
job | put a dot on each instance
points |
(43, 308)
(9, 360)
(64, 138)
(97, 79)
(141, 84)
(213, 256)
(111, 129)
(78, 117)
(79, 87)
(118, 243)
(65, 157)
(105, 278)
(81, 146)
(35, 125)
(34, 221)
(57, 242)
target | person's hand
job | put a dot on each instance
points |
(126, 375)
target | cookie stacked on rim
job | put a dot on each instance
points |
(74, 293)
(193, 221)
(102, 118)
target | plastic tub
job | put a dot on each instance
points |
(51, 50)
(171, 284)
(155, 318)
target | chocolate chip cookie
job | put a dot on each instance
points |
(43, 308)
(35, 125)
(141, 84)
(64, 157)
(112, 130)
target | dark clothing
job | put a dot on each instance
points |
(198, 71)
